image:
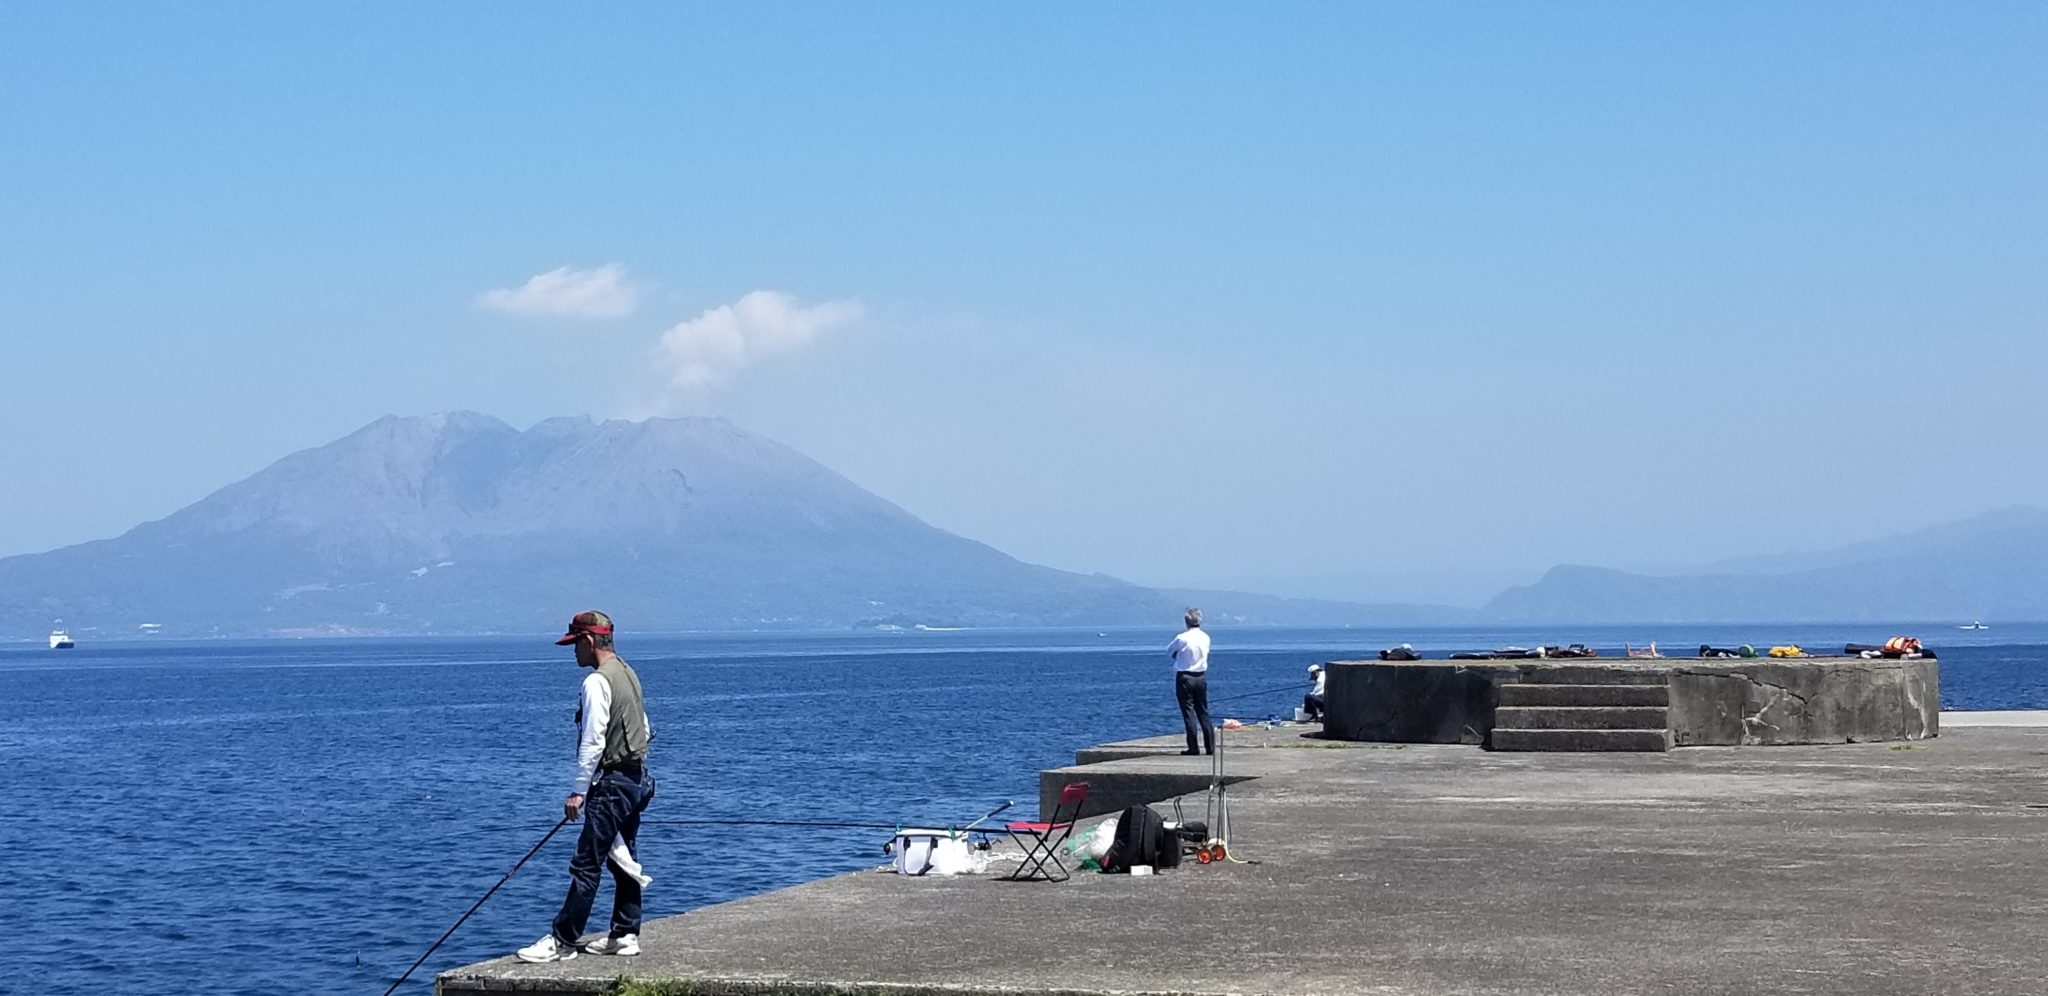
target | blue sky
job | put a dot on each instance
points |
(1183, 294)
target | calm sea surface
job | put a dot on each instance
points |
(306, 816)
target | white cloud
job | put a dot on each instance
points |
(598, 293)
(711, 348)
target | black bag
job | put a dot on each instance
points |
(1139, 832)
(1400, 654)
(1169, 849)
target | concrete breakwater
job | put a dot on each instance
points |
(1635, 704)
(1862, 868)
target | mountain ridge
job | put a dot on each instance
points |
(458, 522)
(1923, 539)
(1989, 566)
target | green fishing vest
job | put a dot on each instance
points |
(625, 736)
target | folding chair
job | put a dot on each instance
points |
(1041, 841)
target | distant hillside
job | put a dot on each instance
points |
(460, 523)
(1249, 608)
(1993, 567)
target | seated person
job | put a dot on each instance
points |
(1312, 703)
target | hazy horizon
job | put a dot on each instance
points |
(1418, 585)
(1298, 295)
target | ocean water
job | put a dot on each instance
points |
(307, 816)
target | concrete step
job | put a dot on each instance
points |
(1585, 695)
(1581, 717)
(1617, 673)
(1576, 740)
(1112, 788)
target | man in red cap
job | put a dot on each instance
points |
(612, 789)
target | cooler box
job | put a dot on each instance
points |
(930, 852)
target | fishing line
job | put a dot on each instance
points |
(815, 824)
(1269, 691)
(736, 822)
(557, 828)
(479, 905)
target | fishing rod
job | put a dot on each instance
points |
(1270, 691)
(1007, 803)
(557, 828)
(535, 849)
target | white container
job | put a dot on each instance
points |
(1300, 714)
(1141, 869)
(931, 852)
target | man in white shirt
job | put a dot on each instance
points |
(611, 789)
(1190, 653)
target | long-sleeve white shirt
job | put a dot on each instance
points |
(1190, 651)
(597, 716)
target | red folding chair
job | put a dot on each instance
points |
(1041, 841)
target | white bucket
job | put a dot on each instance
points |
(1300, 714)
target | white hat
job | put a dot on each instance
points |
(1313, 668)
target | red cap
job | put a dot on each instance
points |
(592, 622)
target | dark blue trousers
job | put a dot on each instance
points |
(1191, 690)
(1313, 705)
(611, 811)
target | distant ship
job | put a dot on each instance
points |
(60, 640)
(1975, 625)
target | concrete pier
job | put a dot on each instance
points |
(1855, 869)
(1635, 704)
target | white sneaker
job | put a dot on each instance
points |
(546, 949)
(626, 946)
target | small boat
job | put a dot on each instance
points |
(60, 640)
(1979, 624)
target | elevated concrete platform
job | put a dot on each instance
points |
(1154, 768)
(1633, 703)
(1439, 870)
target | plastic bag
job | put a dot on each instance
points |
(1087, 850)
